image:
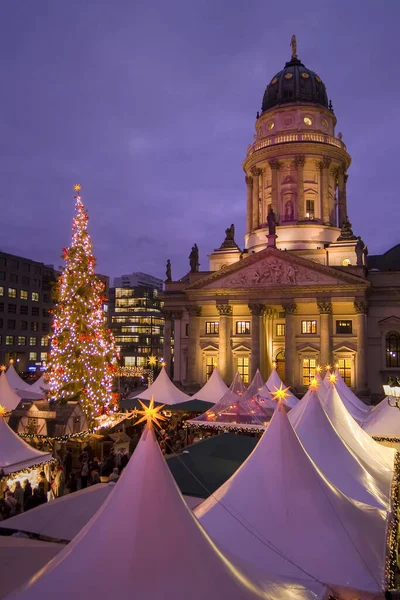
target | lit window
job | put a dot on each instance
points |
(243, 327)
(44, 341)
(1, 290)
(280, 329)
(344, 366)
(43, 356)
(211, 362)
(344, 326)
(310, 209)
(12, 293)
(32, 341)
(35, 296)
(32, 355)
(212, 327)
(393, 349)
(9, 340)
(307, 121)
(23, 294)
(309, 327)
(243, 368)
(271, 125)
(309, 366)
(21, 340)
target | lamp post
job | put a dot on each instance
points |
(392, 391)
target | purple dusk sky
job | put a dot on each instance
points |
(150, 105)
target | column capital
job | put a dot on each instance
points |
(177, 314)
(335, 172)
(299, 160)
(275, 164)
(290, 308)
(324, 306)
(225, 310)
(360, 307)
(249, 180)
(257, 310)
(255, 171)
(193, 310)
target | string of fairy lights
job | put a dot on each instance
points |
(83, 356)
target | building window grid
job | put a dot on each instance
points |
(280, 329)
(9, 340)
(344, 367)
(310, 209)
(12, 292)
(309, 369)
(1, 290)
(212, 327)
(23, 294)
(35, 296)
(344, 326)
(243, 368)
(308, 327)
(393, 349)
(211, 362)
(21, 340)
(243, 327)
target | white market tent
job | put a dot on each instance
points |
(378, 457)
(8, 397)
(144, 508)
(20, 559)
(281, 514)
(356, 407)
(16, 382)
(40, 386)
(15, 454)
(213, 390)
(275, 382)
(339, 464)
(326, 379)
(163, 391)
(383, 420)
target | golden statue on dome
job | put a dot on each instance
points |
(293, 44)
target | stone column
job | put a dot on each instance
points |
(225, 318)
(256, 197)
(249, 216)
(269, 334)
(325, 311)
(177, 316)
(342, 195)
(257, 314)
(275, 166)
(361, 308)
(324, 168)
(299, 162)
(167, 340)
(290, 344)
(193, 342)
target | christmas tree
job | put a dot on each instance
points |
(83, 355)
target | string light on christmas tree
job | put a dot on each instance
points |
(83, 356)
(150, 413)
(280, 394)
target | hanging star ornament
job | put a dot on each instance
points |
(77, 187)
(332, 378)
(280, 394)
(3, 411)
(152, 360)
(318, 369)
(328, 367)
(150, 413)
(313, 385)
(3, 368)
(274, 364)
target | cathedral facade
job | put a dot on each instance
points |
(303, 292)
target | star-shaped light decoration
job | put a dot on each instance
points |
(318, 369)
(3, 368)
(3, 411)
(313, 385)
(274, 364)
(11, 361)
(77, 187)
(280, 394)
(152, 360)
(332, 378)
(328, 367)
(336, 365)
(150, 414)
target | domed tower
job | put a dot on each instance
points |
(296, 166)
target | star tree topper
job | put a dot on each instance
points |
(280, 394)
(151, 414)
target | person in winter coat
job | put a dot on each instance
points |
(19, 494)
(59, 482)
(85, 473)
(27, 491)
(35, 500)
(43, 486)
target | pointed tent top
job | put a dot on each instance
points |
(40, 386)
(213, 390)
(163, 391)
(383, 420)
(15, 454)
(356, 407)
(347, 472)
(15, 380)
(144, 507)
(255, 386)
(8, 397)
(278, 499)
(275, 382)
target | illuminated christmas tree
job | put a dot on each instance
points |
(83, 356)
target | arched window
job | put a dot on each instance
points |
(393, 349)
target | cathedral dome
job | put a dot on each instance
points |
(295, 83)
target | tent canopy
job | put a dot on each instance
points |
(356, 407)
(15, 454)
(213, 390)
(16, 382)
(162, 391)
(275, 382)
(340, 465)
(383, 420)
(8, 397)
(40, 386)
(280, 513)
(144, 508)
